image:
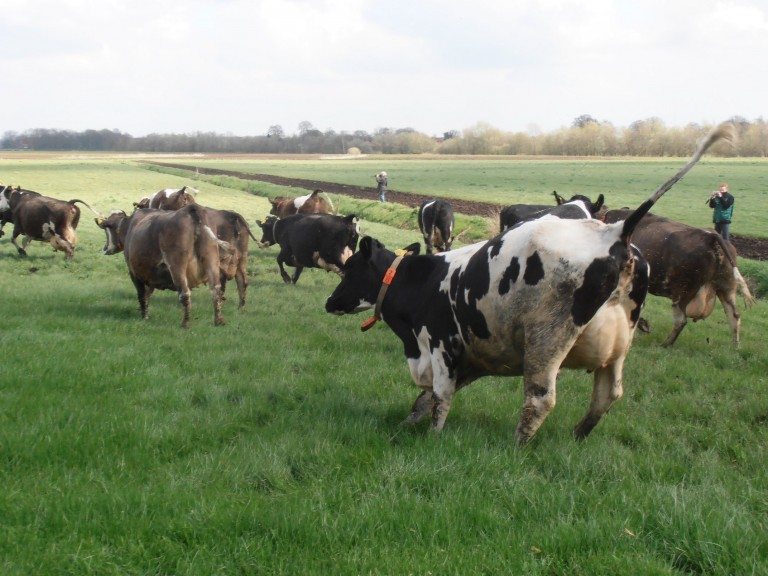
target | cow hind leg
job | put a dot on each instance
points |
(680, 319)
(59, 243)
(217, 293)
(732, 313)
(297, 274)
(607, 389)
(242, 285)
(143, 292)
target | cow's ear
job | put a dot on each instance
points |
(599, 203)
(414, 249)
(369, 246)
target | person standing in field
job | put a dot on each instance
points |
(381, 185)
(722, 201)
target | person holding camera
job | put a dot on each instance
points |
(722, 201)
(382, 181)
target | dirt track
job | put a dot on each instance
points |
(753, 248)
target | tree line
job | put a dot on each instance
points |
(586, 136)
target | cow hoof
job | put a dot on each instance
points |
(22, 252)
(219, 322)
(287, 280)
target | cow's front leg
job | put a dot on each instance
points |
(540, 397)
(297, 274)
(607, 389)
(16, 233)
(441, 405)
(443, 388)
(423, 405)
(281, 260)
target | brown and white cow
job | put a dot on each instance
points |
(546, 294)
(309, 204)
(42, 218)
(169, 198)
(168, 250)
(691, 267)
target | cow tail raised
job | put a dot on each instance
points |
(724, 131)
(76, 201)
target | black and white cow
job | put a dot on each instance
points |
(577, 207)
(547, 294)
(436, 224)
(311, 241)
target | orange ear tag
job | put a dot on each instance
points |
(368, 324)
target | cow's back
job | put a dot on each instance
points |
(682, 258)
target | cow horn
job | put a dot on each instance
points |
(99, 221)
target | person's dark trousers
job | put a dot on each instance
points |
(724, 229)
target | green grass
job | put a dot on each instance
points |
(510, 180)
(272, 446)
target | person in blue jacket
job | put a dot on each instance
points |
(722, 201)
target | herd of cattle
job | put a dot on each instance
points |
(560, 287)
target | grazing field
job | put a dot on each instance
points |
(272, 445)
(509, 180)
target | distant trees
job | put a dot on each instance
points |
(586, 136)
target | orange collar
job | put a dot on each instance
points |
(389, 275)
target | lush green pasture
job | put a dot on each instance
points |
(509, 180)
(272, 445)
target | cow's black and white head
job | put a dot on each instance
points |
(5, 198)
(114, 226)
(363, 275)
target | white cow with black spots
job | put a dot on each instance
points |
(547, 294)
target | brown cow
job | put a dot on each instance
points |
(232, 228)
(169, 199)
(168, 251)
(308, 204)
(690, 266)
(39, 217)
(228, 226)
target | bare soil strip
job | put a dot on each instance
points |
(747, 247)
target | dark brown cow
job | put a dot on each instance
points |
(169, 199)
(39, 217)
(690, 266)
(168, 251)
(309, 204)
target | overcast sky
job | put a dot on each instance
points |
(240, 66)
